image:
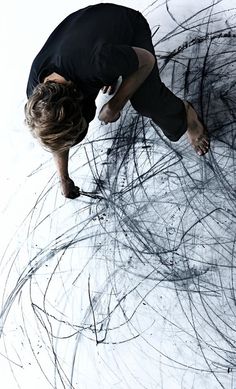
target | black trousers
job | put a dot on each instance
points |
(153, 99)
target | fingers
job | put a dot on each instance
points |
(103, 115)
(110, 89)
(104, 122)
(71, 191)
(102, 118)
(73, 194)
(105, 89)
(116, 118)
(108, 115)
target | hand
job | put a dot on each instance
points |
(110, 89)
(108, 115)
(69, 190)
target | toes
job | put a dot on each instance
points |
(201, 148)
(202, 144)
(198, 150)
(205, 142)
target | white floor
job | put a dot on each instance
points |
(134, 287)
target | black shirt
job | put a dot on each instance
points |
(92, 48)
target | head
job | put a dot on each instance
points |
(53, 113)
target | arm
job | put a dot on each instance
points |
(111, 111)
(67, 185)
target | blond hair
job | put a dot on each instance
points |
(53, 114)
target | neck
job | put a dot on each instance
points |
(56, 78)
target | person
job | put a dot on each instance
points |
(87, 52)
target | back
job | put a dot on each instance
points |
(71, 48)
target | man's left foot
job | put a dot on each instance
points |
(196, 132)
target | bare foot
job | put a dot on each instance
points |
(196, 132)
